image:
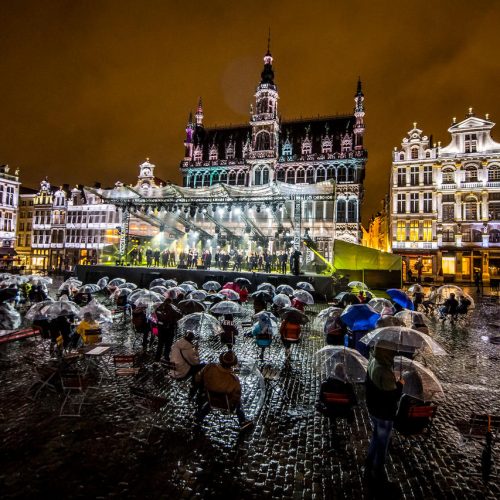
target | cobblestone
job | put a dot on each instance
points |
(293, 451)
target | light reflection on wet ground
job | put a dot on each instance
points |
(293, 452)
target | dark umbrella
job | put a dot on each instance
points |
(293, 315)
(262, 296)
(347, 298)
(190, 306)
(243, 281)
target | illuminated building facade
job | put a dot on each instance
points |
(303, 153)
(445, 213)
(70, 226)
(9, 195)
(24, 227)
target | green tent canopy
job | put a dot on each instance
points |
(359, 258)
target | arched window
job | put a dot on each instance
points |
(199, 180)
(198, 154)
(494, 236)
(401, 156)
(427, 154)
(257, 179)
(310, 175)
(477, 236)
(215, 178)
(448, 176)
(330, 173)
(470, 208)
(342, 174)
(301, 176)
(341, 210)
(192, 181)
(470, 174)
(290, 176)
(414, 153)
(265, 175)
(232, 178)
(286, 150)
(350, 174)
(241, 178)
(351, 211)
(223, 178)
(494, 173)
(262, 106)
(280, 175)
(306, 146)
(263, 141)
(213, 154)
(320, 174)
(206, 179)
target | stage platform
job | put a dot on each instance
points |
(142, 276)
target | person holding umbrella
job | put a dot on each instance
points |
(167, 316)
(383, 393)
(229, 330)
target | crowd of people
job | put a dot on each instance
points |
(234, 260)
(277, 313)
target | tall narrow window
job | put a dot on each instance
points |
(427, 203)
(414, 153)
(414, 174)
(401, 231)
(428, 175)
(341, 211)
(448, 176)
(401, 203)
(401, 176)
(351, 211)
(414, 230)
(414, 205)
(471, 174)
(427, 230)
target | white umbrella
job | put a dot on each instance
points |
(304, 296)
(425, 386)
(282, 300)
(211, 285)
(304, 285)
(99, 312)
(354, 364)
(226, 307)
(203, 324)
(358, 284)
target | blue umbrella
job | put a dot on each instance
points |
(399, 297)
(360, 317)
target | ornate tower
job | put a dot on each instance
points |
(188, 143)
(359, 113)
(265, 125)
(199, 114)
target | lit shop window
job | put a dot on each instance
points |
(448, 265)
(427, 230)
(401, 231)
(414, 230)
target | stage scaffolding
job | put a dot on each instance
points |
(275, 217)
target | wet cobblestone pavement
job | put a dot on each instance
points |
(293, 451)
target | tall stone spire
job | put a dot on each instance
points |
(359, 114)
(199, 114)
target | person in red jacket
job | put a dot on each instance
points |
(243, 294)
(298, 304)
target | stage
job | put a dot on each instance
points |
(142, 276)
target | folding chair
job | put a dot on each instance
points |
(125, 365)
(149, 418)
(45, 377)
(220, 402)
(75, 387)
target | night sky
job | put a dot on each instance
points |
(91, 88)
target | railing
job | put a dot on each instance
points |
(448, 186)
(470, 185)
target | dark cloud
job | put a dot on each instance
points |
(90, 88)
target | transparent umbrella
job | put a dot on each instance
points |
(416, 288)
(175, 292)
(325, 315)
(282, 300)
(70, 284)
(243, 282)
(91, 288)
(99, 313)
(192, 283)
(187, 287)
(413, 319)
(304, 296)
(145, 298)
(359, 285)
(198, 295)
(41, 280)
(103, 282)
(227, 307)
(34, 312)
(443, 293)
(127, 284)
(402, 339)
(267, 287)
(262, 295)
(294, 315)
(382, 306)
(59, 308)
(267, 320)
(203, 324)
(215, 297)
(230, 294)
(354, 364)
(286, 289)
(121, 292)
(211, 286)
(304, 285)
(158, 289)
(116, 282)
(170, 283)
(157, 282)
(420, 382)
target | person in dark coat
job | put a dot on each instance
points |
(383, 393)
(167, 316)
